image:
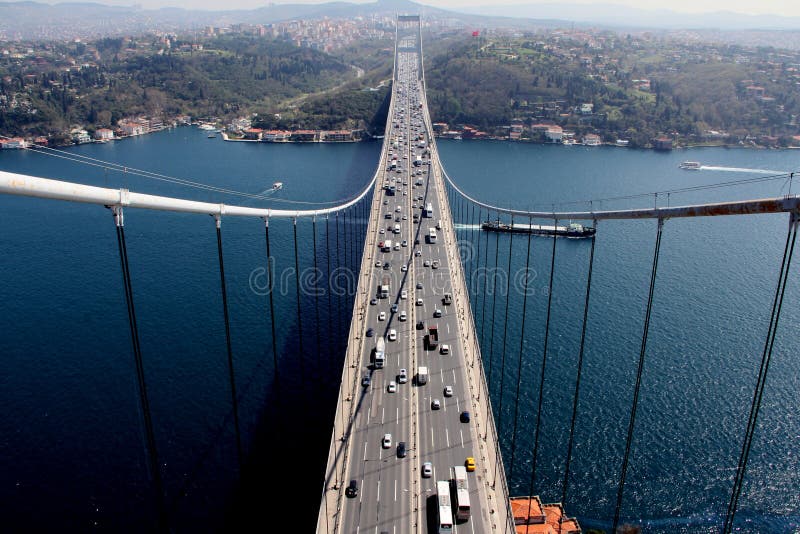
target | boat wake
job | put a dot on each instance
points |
(459, 226)
(740, 169)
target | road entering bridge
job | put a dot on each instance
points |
(412, 410)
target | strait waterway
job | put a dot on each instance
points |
(71, 446)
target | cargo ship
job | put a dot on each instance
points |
(570, 230)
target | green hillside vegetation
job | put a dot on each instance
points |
(230, 76)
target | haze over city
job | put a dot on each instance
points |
(764, 7)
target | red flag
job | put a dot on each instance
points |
(475, 33)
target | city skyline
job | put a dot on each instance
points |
(765, 7)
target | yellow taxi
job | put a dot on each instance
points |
(470, 463)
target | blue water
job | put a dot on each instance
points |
(71, 448)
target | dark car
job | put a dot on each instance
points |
(465, 417)
(365, 381)
(420, 325)
(370, 332)
(352, 489)
(401, 449)
(386, 265)
(373, 301)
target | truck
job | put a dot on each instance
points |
(422, 375)
(380, 353)
(448, 299)
(387, 245)
(432, 339)
(383, 288)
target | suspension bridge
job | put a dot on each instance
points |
(415, 396)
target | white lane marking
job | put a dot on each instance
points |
(383, 415)
(447, 437)
(398, 414)
(365, 450)
(448, 329)
(395, 490)
(433, 444)
(369, 412)
(462, 437)
(379, 491)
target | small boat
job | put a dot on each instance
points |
(212, 136)
(690, 165)
(571, 230)
(277, 185)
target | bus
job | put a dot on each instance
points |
(444, 516)
(428, 211)
(432, 235)
(461, 487)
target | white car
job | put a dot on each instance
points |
(403, 377)
(426, 263)
(403, 315)
(448, 391)
(419, 302)
(418, 253)
(381, 231)
(437, 312)
(392, 387)
(435, 264)
(404, 268)
(427, 470)
(386, 442)
(392, 334)
(404, 243)
(404, 294)
(445, 349)
(382, 316)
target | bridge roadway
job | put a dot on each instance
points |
(393, 493)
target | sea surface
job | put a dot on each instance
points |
(72, 448)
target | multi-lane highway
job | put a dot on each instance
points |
(386, 489)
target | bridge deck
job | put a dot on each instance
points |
(421, 265)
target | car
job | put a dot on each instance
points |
(392, 387)
(419, 285)
(352, 489)
(403, 315)
(404, 243)
(403, 376)
(405, 217)
(373, 301)
(382, 316)
(370, 332)
(396, 246)
(437, 312)
(385, 202)
(392, 334)
(448, 391)
(469, 463)
(380, 244)
(464, 417)
(387, 216)
(416, 241)
(405, 192)
(386, 266)
(426, 263)
(427, 470)
(378, 264)
(394, 308)
(404, 294)
(417, 253)
(444, 349)
(382, 231)
(420, 325)
(435, 264)
(398, 209)
(404, 268)
(386, 442)
(419, 302)
(401, 449)
(435, 404)
(447, 299)
(365, 380)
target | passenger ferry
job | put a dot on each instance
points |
(690, 165)
(571, 230)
